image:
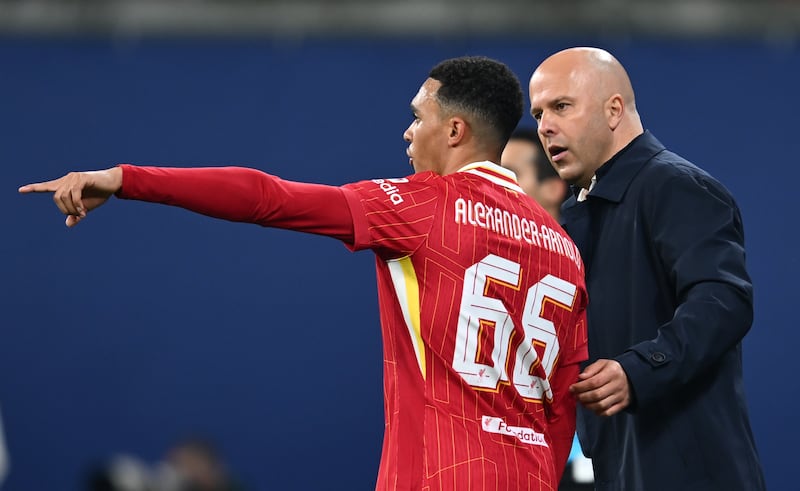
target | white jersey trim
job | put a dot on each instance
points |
(508, 179)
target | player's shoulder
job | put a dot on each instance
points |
(387, 183)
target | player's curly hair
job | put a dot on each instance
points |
(483, 88)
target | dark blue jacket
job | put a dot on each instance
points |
(671, 300)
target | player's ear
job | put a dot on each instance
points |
(457, 128)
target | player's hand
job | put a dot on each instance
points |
(603, 388)
(78, 193)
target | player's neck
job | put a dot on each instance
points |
(460, 159)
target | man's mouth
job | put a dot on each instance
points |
(556, 152)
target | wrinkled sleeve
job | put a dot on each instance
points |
(243, 195)
(393, 217)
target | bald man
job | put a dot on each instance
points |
(661, 398)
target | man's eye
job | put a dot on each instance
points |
(537, 115)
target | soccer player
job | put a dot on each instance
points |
(482, 299)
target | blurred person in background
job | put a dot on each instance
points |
(124, 472)
(193, 464)
(662, 404)
(198, 466)
(4, 461)
(525, 156)
(482, 299)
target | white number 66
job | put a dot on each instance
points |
(479, 311)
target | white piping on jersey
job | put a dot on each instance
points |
(509, 182)
(406, 288)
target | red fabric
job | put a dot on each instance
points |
(243, 195)
(482, 305)
(435, 437)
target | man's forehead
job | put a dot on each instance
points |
(425, 95)
(428, 88)
(547, 86)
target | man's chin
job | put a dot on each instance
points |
(568, 177)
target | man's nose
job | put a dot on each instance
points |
(407, 135)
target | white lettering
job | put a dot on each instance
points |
(546, 244)
(506, 223)
(391, 191)
(480, 214)
(515, 227)
(461, 211)
(526, 231)
(535, 234)
(502, 222)
(556, 241)
(490, 219)
(470, 219)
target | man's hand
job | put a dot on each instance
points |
(603, 388)
(78, 193)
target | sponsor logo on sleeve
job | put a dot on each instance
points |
(388, 187)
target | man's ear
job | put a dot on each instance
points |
(614, 109)
(458, 129)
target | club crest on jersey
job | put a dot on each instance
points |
(388, 187)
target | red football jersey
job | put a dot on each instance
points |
(482, 304)
(482, 299)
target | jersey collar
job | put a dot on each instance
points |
(494, 173)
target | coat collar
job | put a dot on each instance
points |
(626, 165)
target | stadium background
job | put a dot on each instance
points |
(146, 324)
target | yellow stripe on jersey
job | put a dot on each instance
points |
(406, 287)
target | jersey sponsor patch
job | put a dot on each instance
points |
(388, 187)
(493, 424)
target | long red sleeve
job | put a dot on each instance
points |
(243, 195)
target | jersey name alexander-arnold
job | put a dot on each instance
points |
(512, 226)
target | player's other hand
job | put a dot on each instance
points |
(78, 193)
(603, 387)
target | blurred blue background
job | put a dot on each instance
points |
(146, 324)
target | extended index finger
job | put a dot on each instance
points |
(40, 187)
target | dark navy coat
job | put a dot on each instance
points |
(671, 300)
